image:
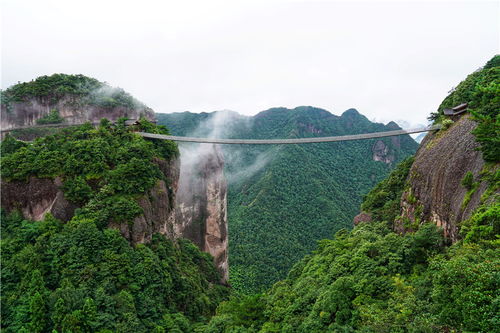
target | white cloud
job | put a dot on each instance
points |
(390, 60)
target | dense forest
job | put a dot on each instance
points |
(81, 276)
(282, 199)
(82, 89)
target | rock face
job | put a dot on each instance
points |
(201, 203)
(192, 204)
(382, 153)
(435, 192)
(28, 112)
(37, 197)
(158, 206)
(362, 217)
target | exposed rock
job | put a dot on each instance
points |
(201, 203)
(309, 128)
(382, 153)
(158, 207)
(37, 197)
(362, 217)
(199, 213)
(70, 108)
(435, 192)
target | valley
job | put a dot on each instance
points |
(104, 230)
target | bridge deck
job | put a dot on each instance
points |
(266, 141)
(291, 141)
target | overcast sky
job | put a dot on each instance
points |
(390, 60)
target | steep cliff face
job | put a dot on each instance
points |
(279, 194)
(382, 153)
(158, 207)
(434, 191)
(36, 198)
(39, 196)
(30, 111)
(201, 203)
(67, 99)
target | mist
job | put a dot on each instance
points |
(238, 165)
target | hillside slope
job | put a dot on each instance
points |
(282, 199)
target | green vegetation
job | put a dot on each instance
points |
(82, 90)
(77, 277)
(446, 123)
(383, 200)
(471, 186)
(282, 199)
(81, 276)
(9, 145)
(373, 280)
(484, 224)
(52, 118)
(468, 180)
(104, 170)
(481, 90)
(30, 134)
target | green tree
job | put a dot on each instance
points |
(38, 312)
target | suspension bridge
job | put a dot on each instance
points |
(351, 137)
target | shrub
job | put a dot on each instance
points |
(52, 118)
(446, 123)
(468, 180)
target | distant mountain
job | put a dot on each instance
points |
(282, 199)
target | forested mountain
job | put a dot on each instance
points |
(423, 257)
(282, 199)
(373, 279)
(83, 276)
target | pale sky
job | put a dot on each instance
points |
(390, 60)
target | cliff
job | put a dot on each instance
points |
(188, 203)
(452, 181)
(30, 111)
(279, 193)
(67, 99)
(201, 203)
(435, 192)
(131, 184)
(37, 197)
